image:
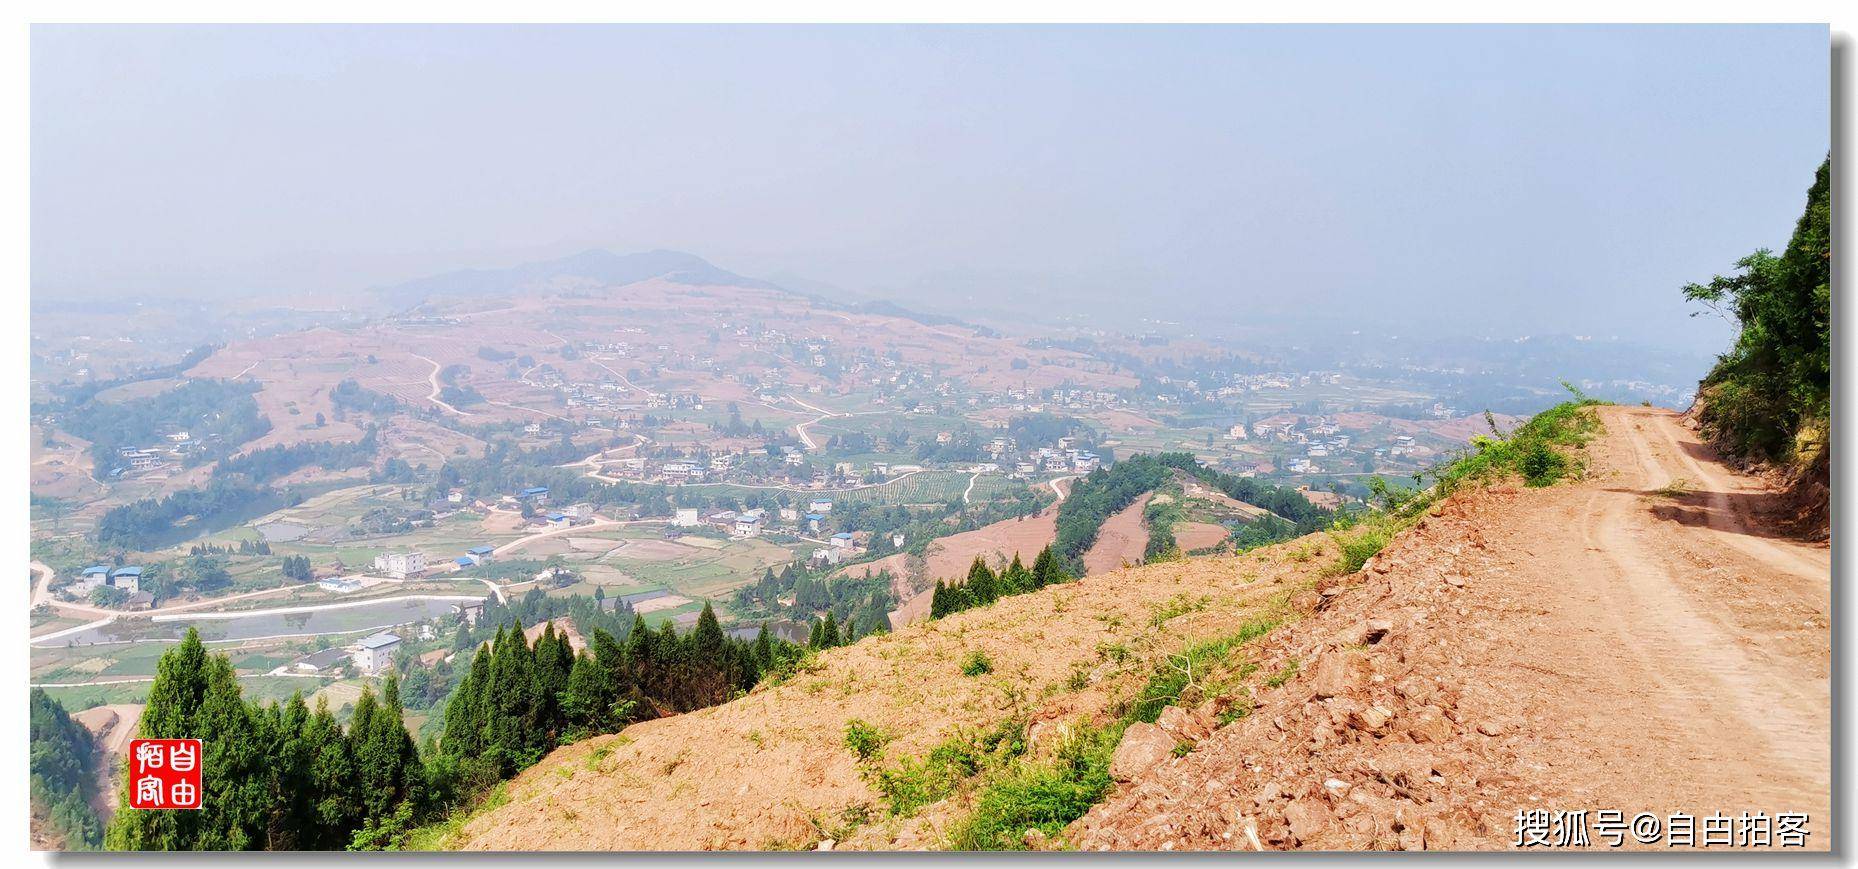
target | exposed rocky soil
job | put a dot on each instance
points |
(1633, 641)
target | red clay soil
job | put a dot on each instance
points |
(1121, 541)
(1190, 536)
(950, 557)
(1632, 641)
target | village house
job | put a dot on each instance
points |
(92, 577)
(826, 557)
(339, 584)
(128, 578)
(376, 653)
(686, 517)
(317, 662)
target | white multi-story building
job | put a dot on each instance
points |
(376, 653)
(401, 565)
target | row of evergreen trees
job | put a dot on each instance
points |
(285, 777)
(276, 776)
(983, 586)
(517, 702)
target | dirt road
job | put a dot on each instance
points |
(1711, 634)
(1636, 640)
(433, 380)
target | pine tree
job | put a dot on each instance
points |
(939, 601)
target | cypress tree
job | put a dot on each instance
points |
(764, 649)
(174, 701)
(981, 584)
(639, 661)
(463, 735)
(1045, 570)
(829, 632)
(334, 807)
(583, 706)
(1015, 579)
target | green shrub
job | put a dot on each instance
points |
(976, 664)
(864, 739)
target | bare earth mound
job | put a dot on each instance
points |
(1122, 540)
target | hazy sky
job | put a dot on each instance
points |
(1507, 179)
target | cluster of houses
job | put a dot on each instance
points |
(127, 579)
(751, 523)
(158, 457)
(536, 497)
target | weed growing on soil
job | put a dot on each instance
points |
(1677, 488)
(976, 664)
(917, 782)
(864, 739)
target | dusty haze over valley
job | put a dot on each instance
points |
(893, 437)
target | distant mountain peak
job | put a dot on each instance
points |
(598, 265)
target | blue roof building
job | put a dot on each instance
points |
(131, 570)
(533, 491)
(97, 570)
(465, 561)
(481, 550)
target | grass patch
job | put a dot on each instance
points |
(917, 782)
(1048, 794)
(440, 836)
(976, 664)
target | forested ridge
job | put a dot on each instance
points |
(1097, 496)
(63, 768)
